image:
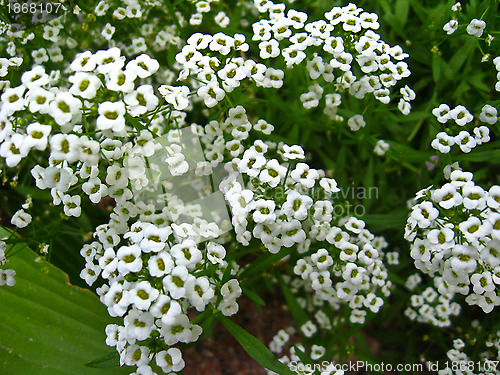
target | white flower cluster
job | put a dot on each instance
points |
(496, 61)
(151, 273)
(475, 27)
(461, 116)
(311, 361)
(76, 151)
(7, 276)
(455, 235)
(150, 35)
(380, 65)
(204, 7)
(432, 307)
(462, 364)
(350, 272)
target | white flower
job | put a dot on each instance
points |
(297, 205)
(292, 233)
(228, 307)
(143, 66)
(476, 27)
(488, 114)
(293, 152)
(90, 273)
(355, 225)
(461, 115)
(111, 116)
(442, 238)
(482, 282)
(160, 264)
(142, 295)
(65, 108)
(14, 149)
(334, 44)
(141, 100)
(178, 282)
(7, 277)
(408, 94)
(309, 328)
(463, 259)
(443, 142)
(170, 360)
(382, 95)
(450, 27)
(356, 122)
(442, 113)
(329, 184)
(211, 94)
(221, 43)
(175, 95)
(304, 175)
(381, 147)
(322, 259)
(264, 211)
(216, 253)
(138, 324)
(373, 302)
(357, 316)
(263, 126)
(21, 219)
(109, 60)
(186, 254)
(457, 7)
(108, 31)
(72, 205)
(154, 238)
(119, 80)
(129, 259)
(84, 62)
(447, 196)
(84, 84)
(465, 141)
(404, 107)
(273, 78)
(251, 163)
(369, 20)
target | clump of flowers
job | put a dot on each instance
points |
(112, 125)
(7, 276)
(454, 231)
(465, 139)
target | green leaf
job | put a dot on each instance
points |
(394, 220)
(109, 360)
(480, 156)
(436, 67)
(48, 326)
(254, 296)
(293, 135)
(461, 55)
(401, 11)
(297, 311)
(264, 262)
(255, 348)
(419, 10)
(403, 152)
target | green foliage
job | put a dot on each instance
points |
(49, 326)
(256, 349)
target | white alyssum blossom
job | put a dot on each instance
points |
(450, 27)
(356, 122)
(476, 27)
